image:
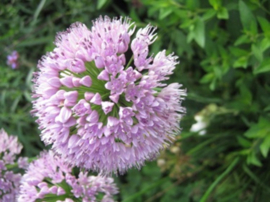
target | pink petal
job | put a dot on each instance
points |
(112, 121)
(67, 81)
(65, 114)
(86, 81)
(55, 82)
(107, 106)
(114, 98)
(104, 75)
(88, 96)
(96, 99)
(76, 81)
(93, 117)
(99, 62)
(71, 98)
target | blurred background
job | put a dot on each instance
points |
(223, 46)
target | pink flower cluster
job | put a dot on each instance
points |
(99, 111)
(49, 178)
(9, 180)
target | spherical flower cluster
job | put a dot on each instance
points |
(9, 181)
(99, 111)
(12, 60)
(49, 177)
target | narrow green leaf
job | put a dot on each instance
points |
(212, 85)
(215, 3)
(164, 12)
(199, 32)
(223, 13)
(263, 67)
(264, 147)
(265, 25)
(238, 52)
(241, 62)
(38, 10)
(246, 95)
(27, 96)
(246, 16)
(264, 150)
(253, 159)
(209, 14)
(191, 4)
(187, 23)
(15, 103)
(101, 3)
(243, 142)
(241, 40)
(257, 52)
(259, 130)
(190, 36)
(207, 78)
(265, 44)
(215, 183)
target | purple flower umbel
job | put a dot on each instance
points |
(9, 181)
(12, 60)
(49, 178)
(98, 111)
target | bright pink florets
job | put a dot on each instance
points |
(9, 179)
(49, 178)
(98, 111)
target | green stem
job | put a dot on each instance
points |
(215, 183)
(129, 62)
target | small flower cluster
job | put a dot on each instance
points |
(12, 60)
(49, 177)
(98, 111)
(9, 181)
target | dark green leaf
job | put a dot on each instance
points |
(257, 52)
(199, 32)
(264, 147)
(259, 130)
(38, 10)
(265, 44)
(247, 18)
(223, 13)
(241, 40)
(243, 142)
(215, 3)
(207, 78)
(263, 67)
(209, 14)
(164, 12)
(253, 159)
(241, 62)
(265, 25)
(101, 3)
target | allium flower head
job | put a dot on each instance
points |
(12, 60)
(99, 111)
(9, 181)
(49, 177)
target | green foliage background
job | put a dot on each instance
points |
(224, 49)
